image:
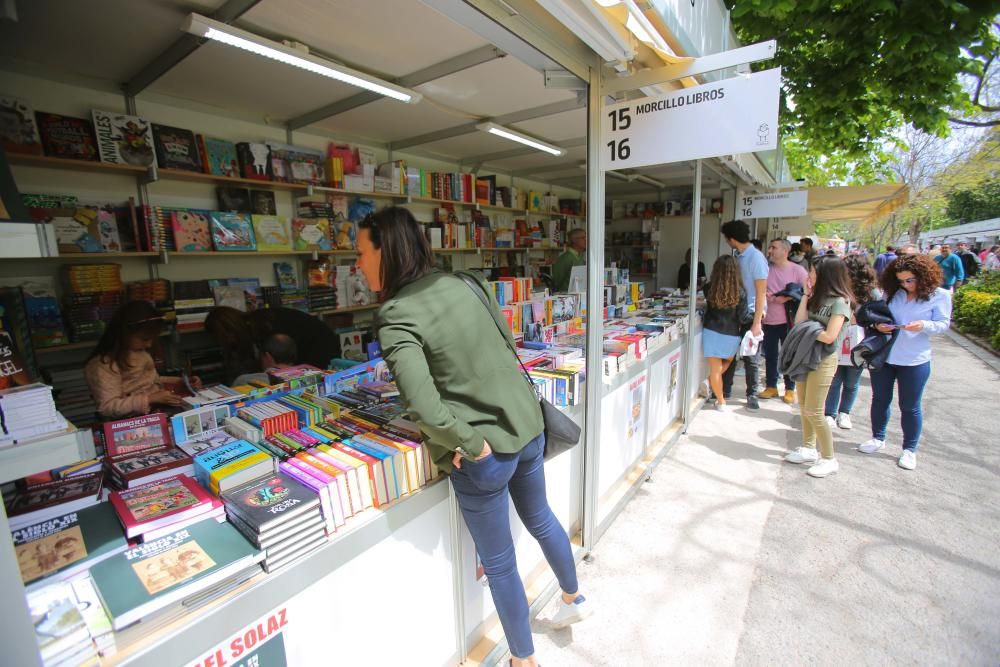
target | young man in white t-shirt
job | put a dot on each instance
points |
(776, 326)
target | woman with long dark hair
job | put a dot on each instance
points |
(827, 300)
(846, 381)
(726, 305)
(480, 420)
(920, 307)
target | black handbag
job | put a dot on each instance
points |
(561, 432)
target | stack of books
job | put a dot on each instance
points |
(62, 634)
(156, 509)
(139, 450)
(93, 294)
(159, 573)
(28, 412)
(229, 466)
(73, 397)
(279, 515)
(67, 543)
(29, 504)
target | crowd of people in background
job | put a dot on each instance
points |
(818, 320)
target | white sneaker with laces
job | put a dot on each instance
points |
(844, 421)
(831, 421)
(907, 460)
(724, 407)
(802, 455)
(575, 611)
(823, 468)
(871, 446)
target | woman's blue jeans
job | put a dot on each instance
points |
(911, 381)
(481, 488)
(843, 390)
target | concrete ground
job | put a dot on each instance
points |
(730, 556)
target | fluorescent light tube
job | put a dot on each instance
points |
(512, 135)
(201, 26)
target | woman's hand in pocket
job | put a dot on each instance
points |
(456, 460)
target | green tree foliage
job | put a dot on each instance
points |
(972, 204)
(857, 70)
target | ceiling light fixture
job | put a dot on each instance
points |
(512, 135)
(200, 26)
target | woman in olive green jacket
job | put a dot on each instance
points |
(479, 418)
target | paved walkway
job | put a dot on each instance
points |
(729, 556)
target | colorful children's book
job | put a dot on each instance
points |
(67, 137)
(68, 543)
(345, 235)
(125, 437)
(124, 139)
(41, 307)
(272, 232)
(232, 231)
(159, 503)
(218, 157)
(311, 234)
(191, 231)
(18, 131)
(76, 230)
(176, 148)
(107, 228)
(255, 160)
(198, 422)
(286, 276)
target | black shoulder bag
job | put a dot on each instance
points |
(561, 432)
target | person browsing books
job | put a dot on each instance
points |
(279, 351)
(480, 420)
(575, 255)
(242, 337)
(120, 371)
(726, 306)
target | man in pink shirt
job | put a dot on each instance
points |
(775, 322)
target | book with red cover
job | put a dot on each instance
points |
(67, 137)
(125, 437)
(160, 503)
(147, 463)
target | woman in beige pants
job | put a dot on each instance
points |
(827, 300)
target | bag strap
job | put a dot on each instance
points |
(478, 290)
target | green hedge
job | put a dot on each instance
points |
(977, 308)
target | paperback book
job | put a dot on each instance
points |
(124, 139)
(198, 422)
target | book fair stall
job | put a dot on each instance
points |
(291, 511)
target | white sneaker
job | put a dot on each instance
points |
(724, 407)
(907, 460)
(844, 421)
(823, 467)
(803, 455)
(831, 421)
(571, 613)
(871, 446)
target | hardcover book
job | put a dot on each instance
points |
(148, 463)
(218, 157)
(67, 137)
(271, 232)
(159, 503)
(266, 503)
(286, 276)
(232, 232)
(76, 229)
(124, 139)
(125, 437)
(311, 234)
(176, 148)
(255, 161)
(155, 574)
(41, 501)
(68, 543)
(234, 199)
(18, 132)
(191, 231)
(262, 202)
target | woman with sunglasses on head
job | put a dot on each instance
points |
(920, 307)
(480, 419)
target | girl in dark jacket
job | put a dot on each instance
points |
(727, 302)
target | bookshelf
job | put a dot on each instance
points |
(74, 165)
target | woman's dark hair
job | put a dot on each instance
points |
(135, 318)
(832, 280)
(406, 254)
(723, 290)
(235, 334)
(928, 274)
(863, 278)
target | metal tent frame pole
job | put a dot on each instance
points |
(689, 375)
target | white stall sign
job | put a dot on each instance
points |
(738, 115)
(773, 205)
